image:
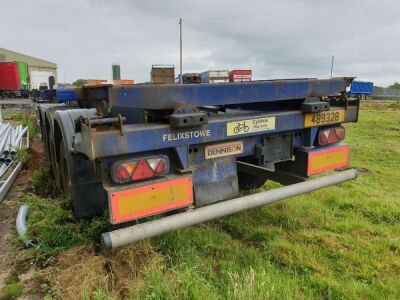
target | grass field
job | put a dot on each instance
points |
(338, 243)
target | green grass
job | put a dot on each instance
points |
(342, 242)
(11, 291)
(42, 183)
(26, 120)
(53, 229)
(22, 156)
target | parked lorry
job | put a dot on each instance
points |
(240, 75)
(37, 78)
(45, 92)
(216, 76)
(185, 152)
(14, 79)
(361, 89)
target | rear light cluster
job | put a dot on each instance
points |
(139, 169)
(331, 136)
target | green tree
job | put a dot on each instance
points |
(79, 82)
(378, 90)
(395, 86)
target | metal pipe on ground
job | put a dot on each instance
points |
(18, 130)
(125, 236)
(3, 168)
(10, 180)
(20, 224)
(18, 139)
(12, 138)
(7, 145)
(3, 139)
(4, 128)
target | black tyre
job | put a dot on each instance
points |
(65, 174)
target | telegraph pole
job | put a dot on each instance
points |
(333, 57)
(180, 50)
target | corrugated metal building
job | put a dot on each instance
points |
(39, 69)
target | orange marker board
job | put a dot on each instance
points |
(328, 159)
(151, 199)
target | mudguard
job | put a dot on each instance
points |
(88, 195)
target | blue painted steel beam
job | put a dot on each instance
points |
(169, 96)
(148, 137)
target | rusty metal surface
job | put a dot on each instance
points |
(100, 144)
(170, 96)
(174, 95)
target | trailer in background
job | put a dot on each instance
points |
(14, 80)
(39, 79)
(46, 91)
(216, 76)
(361, 89)
(240, 75)
(23, 73)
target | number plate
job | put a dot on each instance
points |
(325, 117)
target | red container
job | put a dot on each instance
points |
(9, 78)
(240, 75)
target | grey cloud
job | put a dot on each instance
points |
(284, 38)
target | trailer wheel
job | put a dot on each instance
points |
(249, 182)
(77, 176)
(65, 173)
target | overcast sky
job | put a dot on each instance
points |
(274, 38)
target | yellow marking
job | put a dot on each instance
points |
(250, 126)
(323, 161)
(152, 198)
(324, 117)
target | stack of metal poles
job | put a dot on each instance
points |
(11, 139)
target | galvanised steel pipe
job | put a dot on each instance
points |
(8, 158)
(17, 141)
(10, 180)
(7, 144)
(12, 138)
(125, 236)
(3, 168)
(20, 224)
(4, 139)
(16, 134)
(2, 128)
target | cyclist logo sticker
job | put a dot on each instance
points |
(249, 126)
(241, 126)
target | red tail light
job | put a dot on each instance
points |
(331, 136)
(139, 169)
(142, 171)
